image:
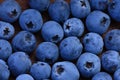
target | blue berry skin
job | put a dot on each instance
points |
(93, 43)
(59, 10)
(19, 63)
(88, 64)
(110, 61)
(41, 5)
(73, 27)
(114, 9)
(24, 41)
(24, 77)
(4, 71)
(98, 21)
(116, 75)
(112, 40)
(31, 20)
(80, 8)
(65, 71)
(5, 49)
(102, 76)
(47, 52)
(99, 4)
(10, 11)
(52, 32)
(40, 71)
(70, 48)
(6, 30)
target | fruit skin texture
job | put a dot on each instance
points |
(24, 41)
(70, 48)
(93, 43)
(110, 61)
(114, 9)
(40, 70)
(65, 70)
(47, 52)
(112, 40)
(52, 32)
(4, 71)
(98, 21)
(6, 30)
(59, 10)
(31, 20)
(99, 4)
(80, 8)
(116, 74)
(88, 64)
(10, 11)
(5, 49)
(102, 76)
(24, 77)
(19, 63)
(73, 27)
(41, 5)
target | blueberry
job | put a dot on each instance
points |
(98, 21)
(110, 61)
(40, 71)
(19, 63)
(102, 76)
(116, 75)
(47, 52)
(80, 8)
(41, 5)
(70, 48)
(10, 10)
(65, 71)
(59, 10)
(73, 27)
(113, 9)
(6, 30)
(93, 43)
(24, 41)
(88, 64)
(5, 49)
(52, 31)
(99, 4)
(112, 40)
(4, 71)
(24, 77)
(31, 20)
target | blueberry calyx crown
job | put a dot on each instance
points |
(30, 24)
(89, 64)
(104, 20)
(60, 69)
(83, 3)
(6, 31)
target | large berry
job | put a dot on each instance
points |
(80, 8)
(88, 64)
(98, 21)
(73, 27)
(70, 48)
(10, 10)
(112, 40)
(24, 77)
(59, 10)
(110, 61)
(6, 30)
(52, 31)
(65, 71)
(24, 41)
(19, 63)
(31, 20)
(5, 49)
(47, 52)
(93, 43)
(40, 71)
(41, 5)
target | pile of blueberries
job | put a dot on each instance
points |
(77, 40)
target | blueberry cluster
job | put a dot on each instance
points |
(76, 42)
